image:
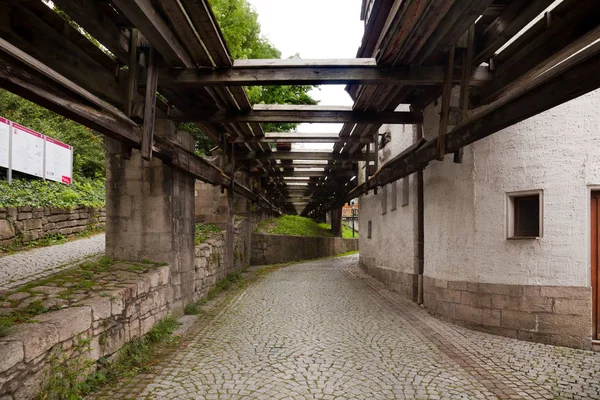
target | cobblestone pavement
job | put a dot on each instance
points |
(20, 268)
(324, 330)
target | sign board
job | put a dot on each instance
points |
(59, 159)
(4, 142)
(27, 151)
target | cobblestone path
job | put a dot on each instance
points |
(20, 268)
(324, 330)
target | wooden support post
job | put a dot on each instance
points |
(447, 91)
(132, 84)
(230, 238)
(150, 105)
(376, 155)
(464, 86)
(420, 231)
(336, 221)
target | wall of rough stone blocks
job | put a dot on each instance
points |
(32, 223)
(109, 321)
(210, 266)
(557, 315)
(276, 249)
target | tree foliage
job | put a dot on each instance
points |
(239, 23)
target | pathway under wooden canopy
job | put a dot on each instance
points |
(167, 59)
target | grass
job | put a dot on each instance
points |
(205, 231)
(48, 240)
(294, 225)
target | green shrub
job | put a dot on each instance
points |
(38, 193)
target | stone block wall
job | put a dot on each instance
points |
(32, 223)
(210, 266)
(557, 315)
(399, 281)
(276, 249)
(108, 320)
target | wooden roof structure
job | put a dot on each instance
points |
(168, 59)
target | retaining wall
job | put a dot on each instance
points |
(32, 223)
(109, 319)
(210, 256)
(276, 249)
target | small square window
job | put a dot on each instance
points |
(369, 229)
(525, 215)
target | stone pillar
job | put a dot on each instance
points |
(150, 211)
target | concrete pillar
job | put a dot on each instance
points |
(150, 211)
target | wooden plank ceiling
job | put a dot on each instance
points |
(403, 60)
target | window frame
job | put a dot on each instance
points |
(513, 199)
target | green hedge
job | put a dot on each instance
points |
(37, 193)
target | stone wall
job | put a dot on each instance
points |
(558, 315)
(32, 223)
(276, 249)
(112, 319)
(210, 266)
(109, 321)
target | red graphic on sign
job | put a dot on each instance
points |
(66, 179)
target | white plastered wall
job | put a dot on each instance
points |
(466, 204)
(392, 245)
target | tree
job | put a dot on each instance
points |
(239, 23)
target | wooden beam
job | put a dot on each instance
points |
(154, 28)
(309, 174)
(571, 79)
(37, 38)
(98, 24)
(334, 75)
(150, 105)
(20, 56)
(292, 138)
(303, 155)
(514, 18)
(306, 114)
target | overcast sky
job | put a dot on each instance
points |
(314, 29)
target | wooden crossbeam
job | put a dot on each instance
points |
(306, 114)
(303, 155)
(300, 138)
(146, 18)
(311, 75)
(313, 174)
(571, 79)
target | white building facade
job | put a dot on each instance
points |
(509, 234)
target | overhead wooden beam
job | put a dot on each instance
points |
(146, 18)
(303, 155)
(98, 24)
(333, 75)
(309, 174)
(565, 38)
(571, 79)
(306, 114)
(291, 138)
(514, 18)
